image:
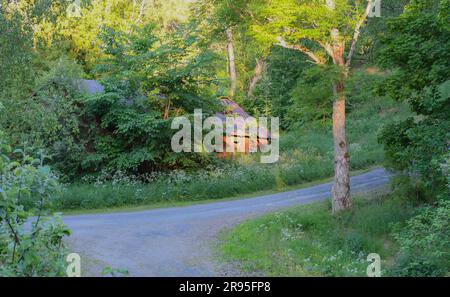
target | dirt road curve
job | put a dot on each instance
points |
(176, 241)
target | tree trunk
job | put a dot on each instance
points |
(167, 108)
(231, 62)
(256, 76)
(341, 188)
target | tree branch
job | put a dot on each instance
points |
(141, 11)
(301, 48)
(358, 32)
(327, 47)
(258, 73)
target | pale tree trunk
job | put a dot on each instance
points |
(141, 11)
(341, 189)
(231, 62)
(256, 76)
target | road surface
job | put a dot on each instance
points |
(177, 241)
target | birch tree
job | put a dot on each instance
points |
(231, 62)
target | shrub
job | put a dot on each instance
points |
(28, 251)
(424, 243)
(416, 47)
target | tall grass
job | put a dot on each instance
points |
(306, 155)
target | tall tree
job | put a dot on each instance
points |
(226, 25)
(231, 62)
(320, 29)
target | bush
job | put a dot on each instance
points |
(424, 243)
(28, 251)
(416, 47)
(48, 116)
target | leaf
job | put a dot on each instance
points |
(44, 170)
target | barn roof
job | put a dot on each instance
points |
(90, 86)
(232, 108)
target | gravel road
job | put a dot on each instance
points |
(177, 241)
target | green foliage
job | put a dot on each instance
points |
(109, 271)
(312, 97)
(127, 136)
(144, 73)
(78, 36)
(300, 93)
(369, 44)
(416, 47)
(28, 251)
(424, 242)
(15, 54)
(308, 23)
(53, 103)
(160, 68)
(419, 149)
(272, 95)
(416, 44)
(147, 81)
(213, 18)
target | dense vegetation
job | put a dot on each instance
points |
(164, 58)
(28, 251)
(421, 61)
(305, 156)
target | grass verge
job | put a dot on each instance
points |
(175, 203)
(309, 241)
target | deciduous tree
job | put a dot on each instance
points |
(322, 30)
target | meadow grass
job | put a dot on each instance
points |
(309, 241)
(306, 155)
